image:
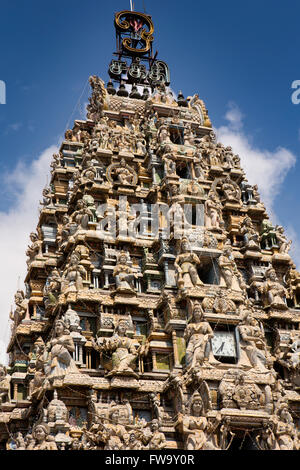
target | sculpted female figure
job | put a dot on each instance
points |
(250, 235)
(197, 335)
(284, 428)
(124, 274)
(43, 441)
(185, 265)
(4, 385)
(213, 211)
(124, 173)
(231, 191)
(226, 264)
(252, 342)
(82, 215)
(34, 249)
(59, 358)
(196, 426)
(73, 275)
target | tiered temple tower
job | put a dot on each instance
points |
(161, 307)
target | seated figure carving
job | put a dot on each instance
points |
(119, 353)
(273, 293)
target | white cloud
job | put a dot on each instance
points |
(234, 116)
(295, 248)
(263, 167)
(25, 183)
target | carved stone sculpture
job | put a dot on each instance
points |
(73, 275)
(123, 173)
(36, 367)
(157, 439)
(252, 341)
(42, 439)
(185, 265)
(197, 336)
(52, 288)
(284, 244)
(82, 215)
(124, 274)
(213, 212)
(119, 353)
(35, 249)
(284, 430)
(219, 303)
(59, 358)
(196, 427)
(5, 380)
(250, 235)
(232, 192)
(273, 293)
(21, 311)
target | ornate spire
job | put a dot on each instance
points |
(136, 63)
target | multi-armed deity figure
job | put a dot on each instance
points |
(119, 353)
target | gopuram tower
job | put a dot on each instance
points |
(161, 308)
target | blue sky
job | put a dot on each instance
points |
(241, 57)
(241, 52)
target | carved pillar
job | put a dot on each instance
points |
(175, 349)
(154, 363)
(88, 358)
(166, 269)
(106, 282)
(80, 354)
(15, 391)
(34, 312)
